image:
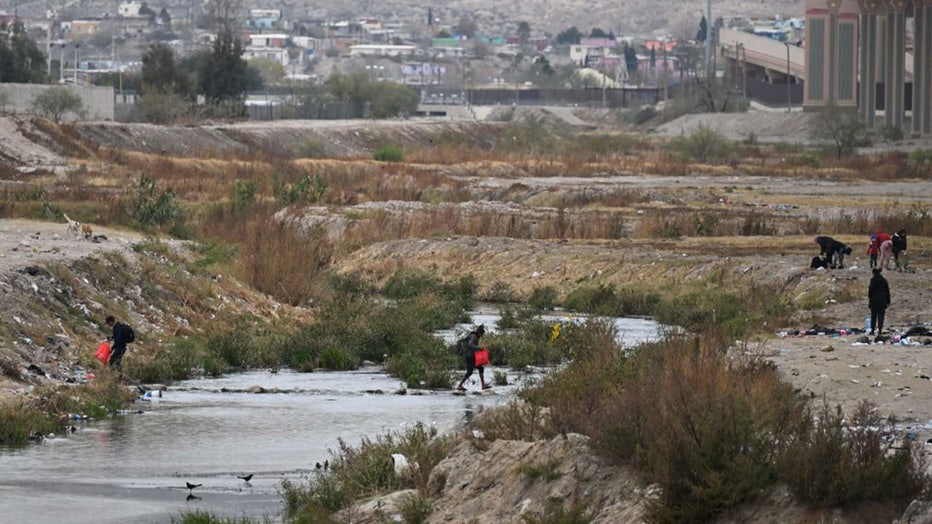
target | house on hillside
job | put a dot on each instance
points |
(361, 50)
(448, 47)
(264, 19)
(271, 46)
(129, 8)
(83, 29)
(591, 50)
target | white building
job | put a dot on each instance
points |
(129, 8)
(381, 50)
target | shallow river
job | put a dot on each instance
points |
(133, 467)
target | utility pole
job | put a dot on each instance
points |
(787, 44)
(708, 40)
(75, 77)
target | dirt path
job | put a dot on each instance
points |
(27, 242)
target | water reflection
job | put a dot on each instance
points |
(631, 331)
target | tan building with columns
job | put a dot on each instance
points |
(856, 57)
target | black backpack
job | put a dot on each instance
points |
(130, 334)
(462, 346)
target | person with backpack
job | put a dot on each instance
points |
(898, 245)
(122, 335)
(469, 347)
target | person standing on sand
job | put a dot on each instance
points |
(472, 345)
(878, 298)
(886, 249)
(873, 249)
(899, 248)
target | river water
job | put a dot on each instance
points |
(133, 467)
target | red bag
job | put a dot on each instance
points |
(103, 353)
(482, 357)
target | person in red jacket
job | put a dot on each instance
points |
(886, 249)
(873, 249)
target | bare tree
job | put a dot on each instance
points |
(840, 129)
(222, 14)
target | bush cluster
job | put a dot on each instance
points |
(715, 431)
(367, 470)
(47, 409)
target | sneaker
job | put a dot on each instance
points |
(487, 386)
(461, 388)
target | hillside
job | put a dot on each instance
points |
(633, 17)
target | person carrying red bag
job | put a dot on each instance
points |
(472, 347)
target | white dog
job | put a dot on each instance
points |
(74, 227)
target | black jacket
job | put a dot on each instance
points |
(472, 342)
(878, 292)
(829, 245)
(120, 335)
(899, 242)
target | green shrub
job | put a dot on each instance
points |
(500, 378)
(705, 224)
(407, 283)
(203, 517)
(312, 503)
(150, 207)
(19, 422)
(500, 292)
(527, 345)
(703, 145)
(336, 359)
(414, 508)
(244, 194)
(389, 153)
(546, 470)
(311, 148)
(639, 115)
(512, 317)
(661, 410)
(424, 366)
(307, 189)
(555, 513)
(367, 470)
(920, 158)
(515, 421)
(602, 299)
(543, 298)
(56, 102)
(834, 460)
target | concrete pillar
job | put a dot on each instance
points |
(894, 54)
(922, 68)
(867, 58)
(831, 54)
